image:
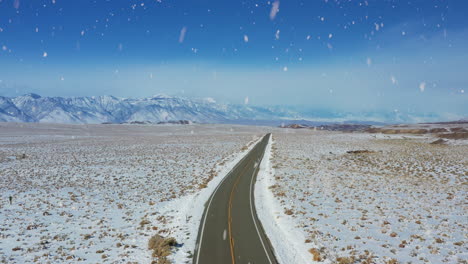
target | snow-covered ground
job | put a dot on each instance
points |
(404, 201)
(97, 193)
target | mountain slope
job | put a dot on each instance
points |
(10, 113)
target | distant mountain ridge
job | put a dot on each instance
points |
(110, 109)
(162, 108)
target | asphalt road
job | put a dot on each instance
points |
(230, 231)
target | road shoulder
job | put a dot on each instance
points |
(286, 241)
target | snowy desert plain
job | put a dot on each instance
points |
(98, 193)
(369, 198)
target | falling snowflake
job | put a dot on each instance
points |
(246, 38)
(44, 55)
(274, 9)
(277, 34)
(183, 31)
(394, 80)
(377, 27)
(285, 68)
(246, 100)
(369, 61)
(16, 4)
(422, 86)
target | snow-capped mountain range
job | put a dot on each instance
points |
(100, 109)
(162, 108)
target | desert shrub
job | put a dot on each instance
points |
(345, 260)
(288, 212)
(315, 254)
(161, 247)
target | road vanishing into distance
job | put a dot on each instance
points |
(230, 231)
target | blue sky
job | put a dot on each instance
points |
(344, 55)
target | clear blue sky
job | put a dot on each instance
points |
(347, 55)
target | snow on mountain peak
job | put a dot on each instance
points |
(209, 100)
(161, 96)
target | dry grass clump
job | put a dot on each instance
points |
(161, 247)
(288, 212)
(315, 254)
(345, 260)
(144, 222)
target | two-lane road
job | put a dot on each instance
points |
(230, 231)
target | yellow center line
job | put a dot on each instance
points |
(231, 239)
